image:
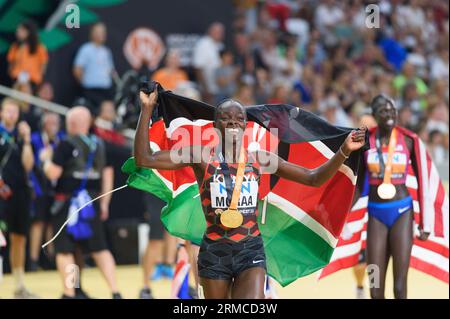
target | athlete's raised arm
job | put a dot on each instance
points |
(317, 176)
(143, 154)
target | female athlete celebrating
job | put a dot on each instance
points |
(390, 208)
(231, 262)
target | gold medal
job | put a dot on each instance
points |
(231, 218)
(386, 191)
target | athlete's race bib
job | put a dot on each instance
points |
(248, 198)
(399, 162)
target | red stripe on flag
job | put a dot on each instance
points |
(429, 164)
(432, 246)
(438, 213)
(338, 264)
(157, 134)
(356, 215)
(183, 176)
(179, 266)
(324, 204)
(328, 204)
(413, 193)
(418, 151)
(429, 269)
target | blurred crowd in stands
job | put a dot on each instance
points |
(329, 57)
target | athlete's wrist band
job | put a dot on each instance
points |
(342, 153)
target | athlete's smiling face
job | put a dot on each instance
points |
(231, 120)
(386, 116)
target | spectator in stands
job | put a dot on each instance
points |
(436, 147)
(437, 118)
(94, 68)
(327, 17)
(27, 57)
(393, 49)
(43, 141)
(206, 59)
(79, 165)
(439, 65)
(244, 94)
(270, 55)
(290, 69)
(405, 118)
(171, 75)
(280, 94)
(28, 112)
(105, 125)
(409, 75)
(263, 86)
(244, 55)
(106, 128)
(332, 111)
(45, 92)
(17, 160)
(226, 76)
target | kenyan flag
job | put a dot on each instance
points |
(300, 225)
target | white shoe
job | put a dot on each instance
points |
(360, 293)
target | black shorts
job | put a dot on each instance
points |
(41, 208)
(18, 211)
(153, 206)
(224, 261)
(65, 243)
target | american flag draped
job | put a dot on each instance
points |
(300, 225)
(430, 212)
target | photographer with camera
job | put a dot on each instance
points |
(16, 161)
(79, 166)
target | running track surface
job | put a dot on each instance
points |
(340, 285)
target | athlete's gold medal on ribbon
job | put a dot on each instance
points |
(232, 218)
(387, 190)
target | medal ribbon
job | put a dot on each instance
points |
(238, 181)
(391, 149)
